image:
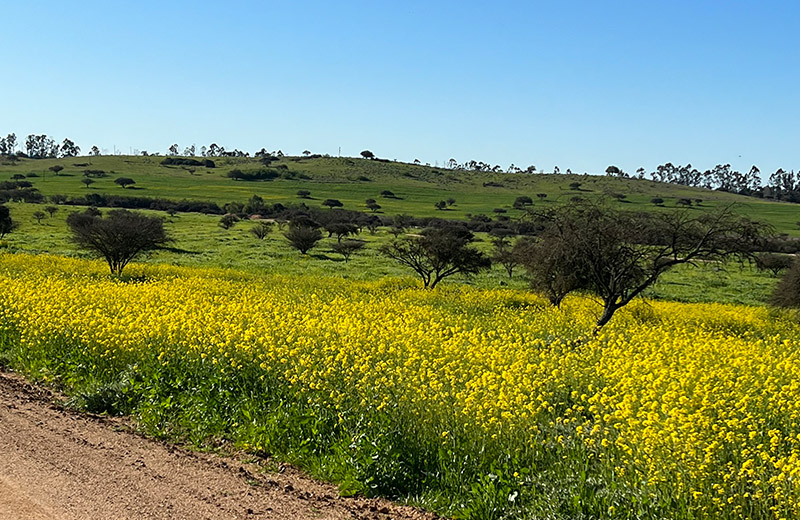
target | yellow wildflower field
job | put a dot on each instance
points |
(673, 410)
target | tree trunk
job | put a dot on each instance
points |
(609, 308)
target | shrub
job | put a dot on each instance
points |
(261, 229)
(303, 238)
(787, 292)
(304, 194)
(346, 248)
(228, 221)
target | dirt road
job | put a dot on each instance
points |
(57, 464)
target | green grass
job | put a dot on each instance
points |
(417, 187)
(200, 242)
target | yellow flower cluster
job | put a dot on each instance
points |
(702, 400)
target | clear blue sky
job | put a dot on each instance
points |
(580, 84)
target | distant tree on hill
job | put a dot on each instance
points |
(332, 203)
(124, 181)
(173, 150)
(96, 151)
(87, 181)
(119, 237)
(306, 153)
(366, 154)
(56, 169)
(522, 202)
(69, 149)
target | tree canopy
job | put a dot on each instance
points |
(119, 237)
(616, 255)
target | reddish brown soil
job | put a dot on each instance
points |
(59, 464)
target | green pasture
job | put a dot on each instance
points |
(200, 241)
(352, 181)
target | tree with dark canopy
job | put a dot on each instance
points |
(6, 224)
(616, 255)
(303, 237)
(119, 237)
(437, 254)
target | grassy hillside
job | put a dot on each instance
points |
(352, 181)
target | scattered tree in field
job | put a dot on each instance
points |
(56, 169)
(437, 254)
(7, 225)
(450, 201)
(119, 237)
(441, 205)
(228, 221)
(500, 210)
(522, 202)
(261, 229)
(39, 216)
(341, 230)
(787, 292)
(87, 181)
(366, 154)
(346, 248)
(541, 196)
(124, 182)
(616, 255)
(304, 194)
(332, 203)
(658, 201)
(17, 177)
(303, 237)
(773, 262)
(506, 254)
(386, 194)
(51, 210)
(619, 196)
(575, 186)
(372, 205)
(684, 202)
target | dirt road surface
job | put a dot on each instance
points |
(61, 465)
